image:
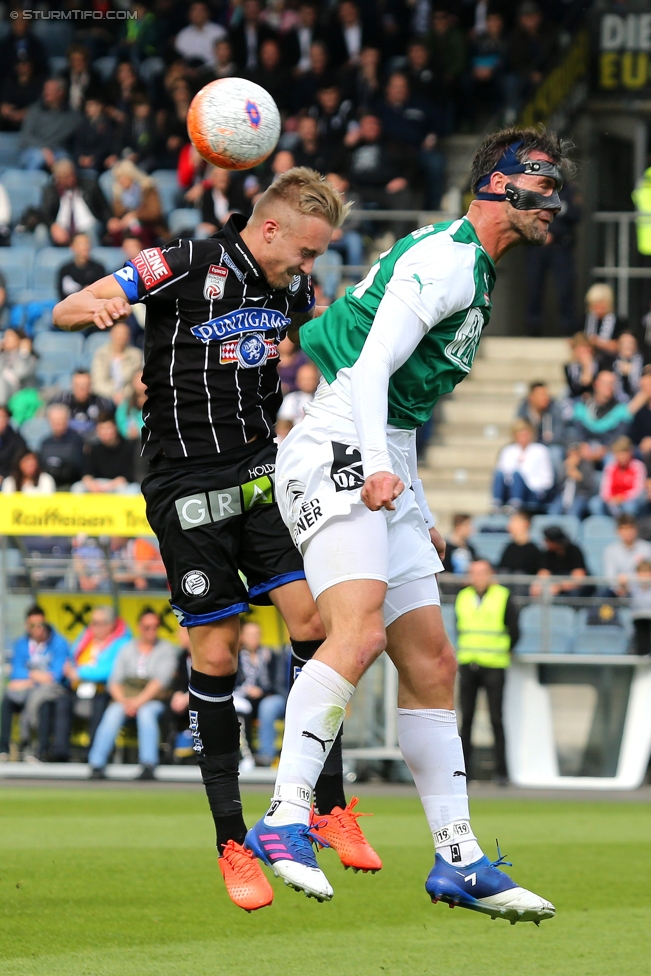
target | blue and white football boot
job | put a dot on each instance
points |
(482, 887)
(288, 852)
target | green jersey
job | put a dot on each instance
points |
(444, 275)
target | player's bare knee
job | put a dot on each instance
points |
(308, 628)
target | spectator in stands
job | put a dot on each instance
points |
(95, 139)
(601, 418)
(122, 90)
(459, 552)
(333, 115)
(190, 174)
(532, 47)
(223, 63)
(318, 76)
(128, 415)
(70, 205)
(579, 483)
(362, 82)
(627, 366)
(347, 36)
(256, 684)
(11, 443)
(81, 80)
(314, 152)
(623, 557)
(557, 258)
(135, 205)
(487, 630)
(580, 372)
(137, 564)
(108, 465)
(85, 407)
(81, 271)
(223, 194)
(347, 240)
(17, 363)
(48, 128)
(524, 475)
(114, 365)
(409, 121)
(21, 44)
(88, 572)
(292, 409)
(560, 557)
(249, 35)
(521, 555)
(178, 716)
(487, 64)
(448, 52)
(640, 429)
(601, 322)
(272, 75)
(196, 42)
(92, 657)
(18, 91)
(139, 134)
(146, 36)
(62, 453)
(26, 477)
(291, 358)
(378, 173)
(623, 483)
(298, 40)
(544, 415)
(139, 685)
(420, 71)
(35, 690)
(638, 587)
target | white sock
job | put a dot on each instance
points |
(430, 743)
(315, 710)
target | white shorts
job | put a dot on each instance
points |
(318, 488)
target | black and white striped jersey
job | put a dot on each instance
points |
(211, 342)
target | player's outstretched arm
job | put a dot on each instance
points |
(101, 304)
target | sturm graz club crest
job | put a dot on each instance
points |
(346, 471)
(195, 583)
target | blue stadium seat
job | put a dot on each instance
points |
(105, 66)
(35, 430)
(168, 188)
(561, 629)
(490, 523)
(449, 620)
(16, 266)
(25, 188)
(602, 640)
(15, 178)
(111, 257)
(46, 266)
(9, 149)
(593, 550)
(568, 523)
(91, 345)
(60, 353)
(599, 527)
(183, 219)
(490, 545)
(105, 181)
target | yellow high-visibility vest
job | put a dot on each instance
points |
(482, 637)
(642, 200)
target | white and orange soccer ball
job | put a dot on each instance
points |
(233, 123)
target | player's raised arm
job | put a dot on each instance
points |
(102, 304)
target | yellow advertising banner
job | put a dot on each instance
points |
(67, 514)
(69, 613)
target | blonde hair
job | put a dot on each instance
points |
(600, 293)
(306, 192)
(522, 424)
(125, 167)
(622, 444)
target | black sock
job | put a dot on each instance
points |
(216, 734)
(329, 789)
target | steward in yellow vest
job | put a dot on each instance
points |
(487, 629)
(642, 199)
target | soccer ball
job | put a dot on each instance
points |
(233, 123)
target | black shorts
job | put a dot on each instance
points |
(214, 518)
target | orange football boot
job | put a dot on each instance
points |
(246, 885)
(343, 833)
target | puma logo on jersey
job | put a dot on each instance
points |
(458, 772)
(322, 742)
(421, 284)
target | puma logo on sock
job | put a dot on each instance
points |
(458, 772)
(310, 735)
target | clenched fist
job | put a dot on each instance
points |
(108, 311)
(380, 490)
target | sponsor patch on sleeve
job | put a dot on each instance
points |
(152, 267)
